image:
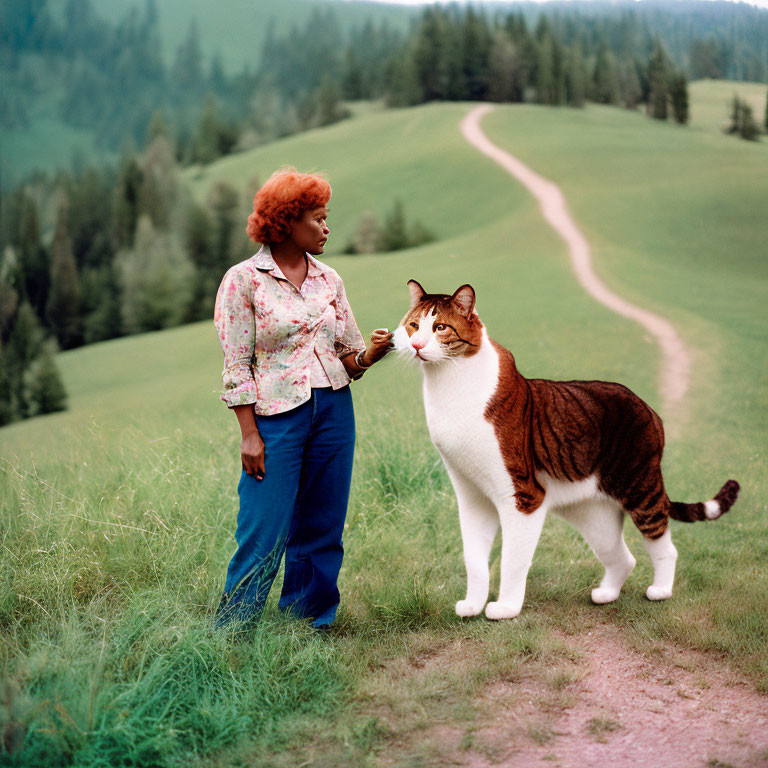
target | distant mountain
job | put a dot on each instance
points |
(235, 29)
(85, 77)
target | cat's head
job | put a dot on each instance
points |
(438, 327)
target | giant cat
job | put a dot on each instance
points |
(517, 448)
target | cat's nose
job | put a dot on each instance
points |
(417, 345)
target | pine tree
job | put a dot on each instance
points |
(743, 121)
(368, 234)
(104, 321)
(352, 86)
(559, 66)
(186, 75)
(306, 110)
(505, 72)
(159, 182)
(32, 277)
(125, 210)
(46, 389)
(404, 89)
(418, 234)
(217, 80)
(199, 248)
(431, 53)
(705, 57)
(658, 83)
(475, 50)
(605, 84)
(215, 137)
(456, 86)
(91, 194)
(736, 105)
(394, 235)
(9, 301)
(765, 121)
(63, 307)
(575, 77)
(223, 206)
(7, 402)
(546, 85)
(197, 235)
(156, 280)
(329, 107)
(527, 50)
(158, 126)
(23, 347)
(678, 95)
(630, 87)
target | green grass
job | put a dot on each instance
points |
(118, 515)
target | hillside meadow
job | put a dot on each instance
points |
(711, 102)
(118, 515)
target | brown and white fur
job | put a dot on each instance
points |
(517, 448)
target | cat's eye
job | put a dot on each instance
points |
(440, 326)
(414, 325)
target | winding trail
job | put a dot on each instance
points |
(675, 370)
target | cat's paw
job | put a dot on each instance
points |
(603, 595)
(658, 593)
(465, 608)
(498, 611)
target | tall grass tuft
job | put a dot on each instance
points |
(152, 693)
(110, 573)
(113, 560)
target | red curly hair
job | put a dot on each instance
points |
(285, 196)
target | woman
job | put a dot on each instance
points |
(291, 346)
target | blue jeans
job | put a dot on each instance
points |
(298, 509)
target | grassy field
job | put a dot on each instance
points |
(118, 515)
(711, 101)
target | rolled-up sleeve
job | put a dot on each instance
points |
(235, 323)
(348, 336)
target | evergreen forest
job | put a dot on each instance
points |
(113, 243)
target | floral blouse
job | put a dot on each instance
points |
(273, 333)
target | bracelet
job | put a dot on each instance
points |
(359, 362)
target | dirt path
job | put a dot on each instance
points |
(609, 706)
(679, 711)
(675, 372)
(618, 707)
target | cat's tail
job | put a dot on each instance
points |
(707, 510)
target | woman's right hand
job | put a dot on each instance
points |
(252, 455)
(380, 344)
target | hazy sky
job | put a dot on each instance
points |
(758, 3)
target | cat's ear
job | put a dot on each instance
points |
(416, 292)
(465, 298)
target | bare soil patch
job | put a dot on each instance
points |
(608, 705)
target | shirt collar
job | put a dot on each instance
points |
(263, 260)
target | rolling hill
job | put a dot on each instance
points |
(123, 507)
